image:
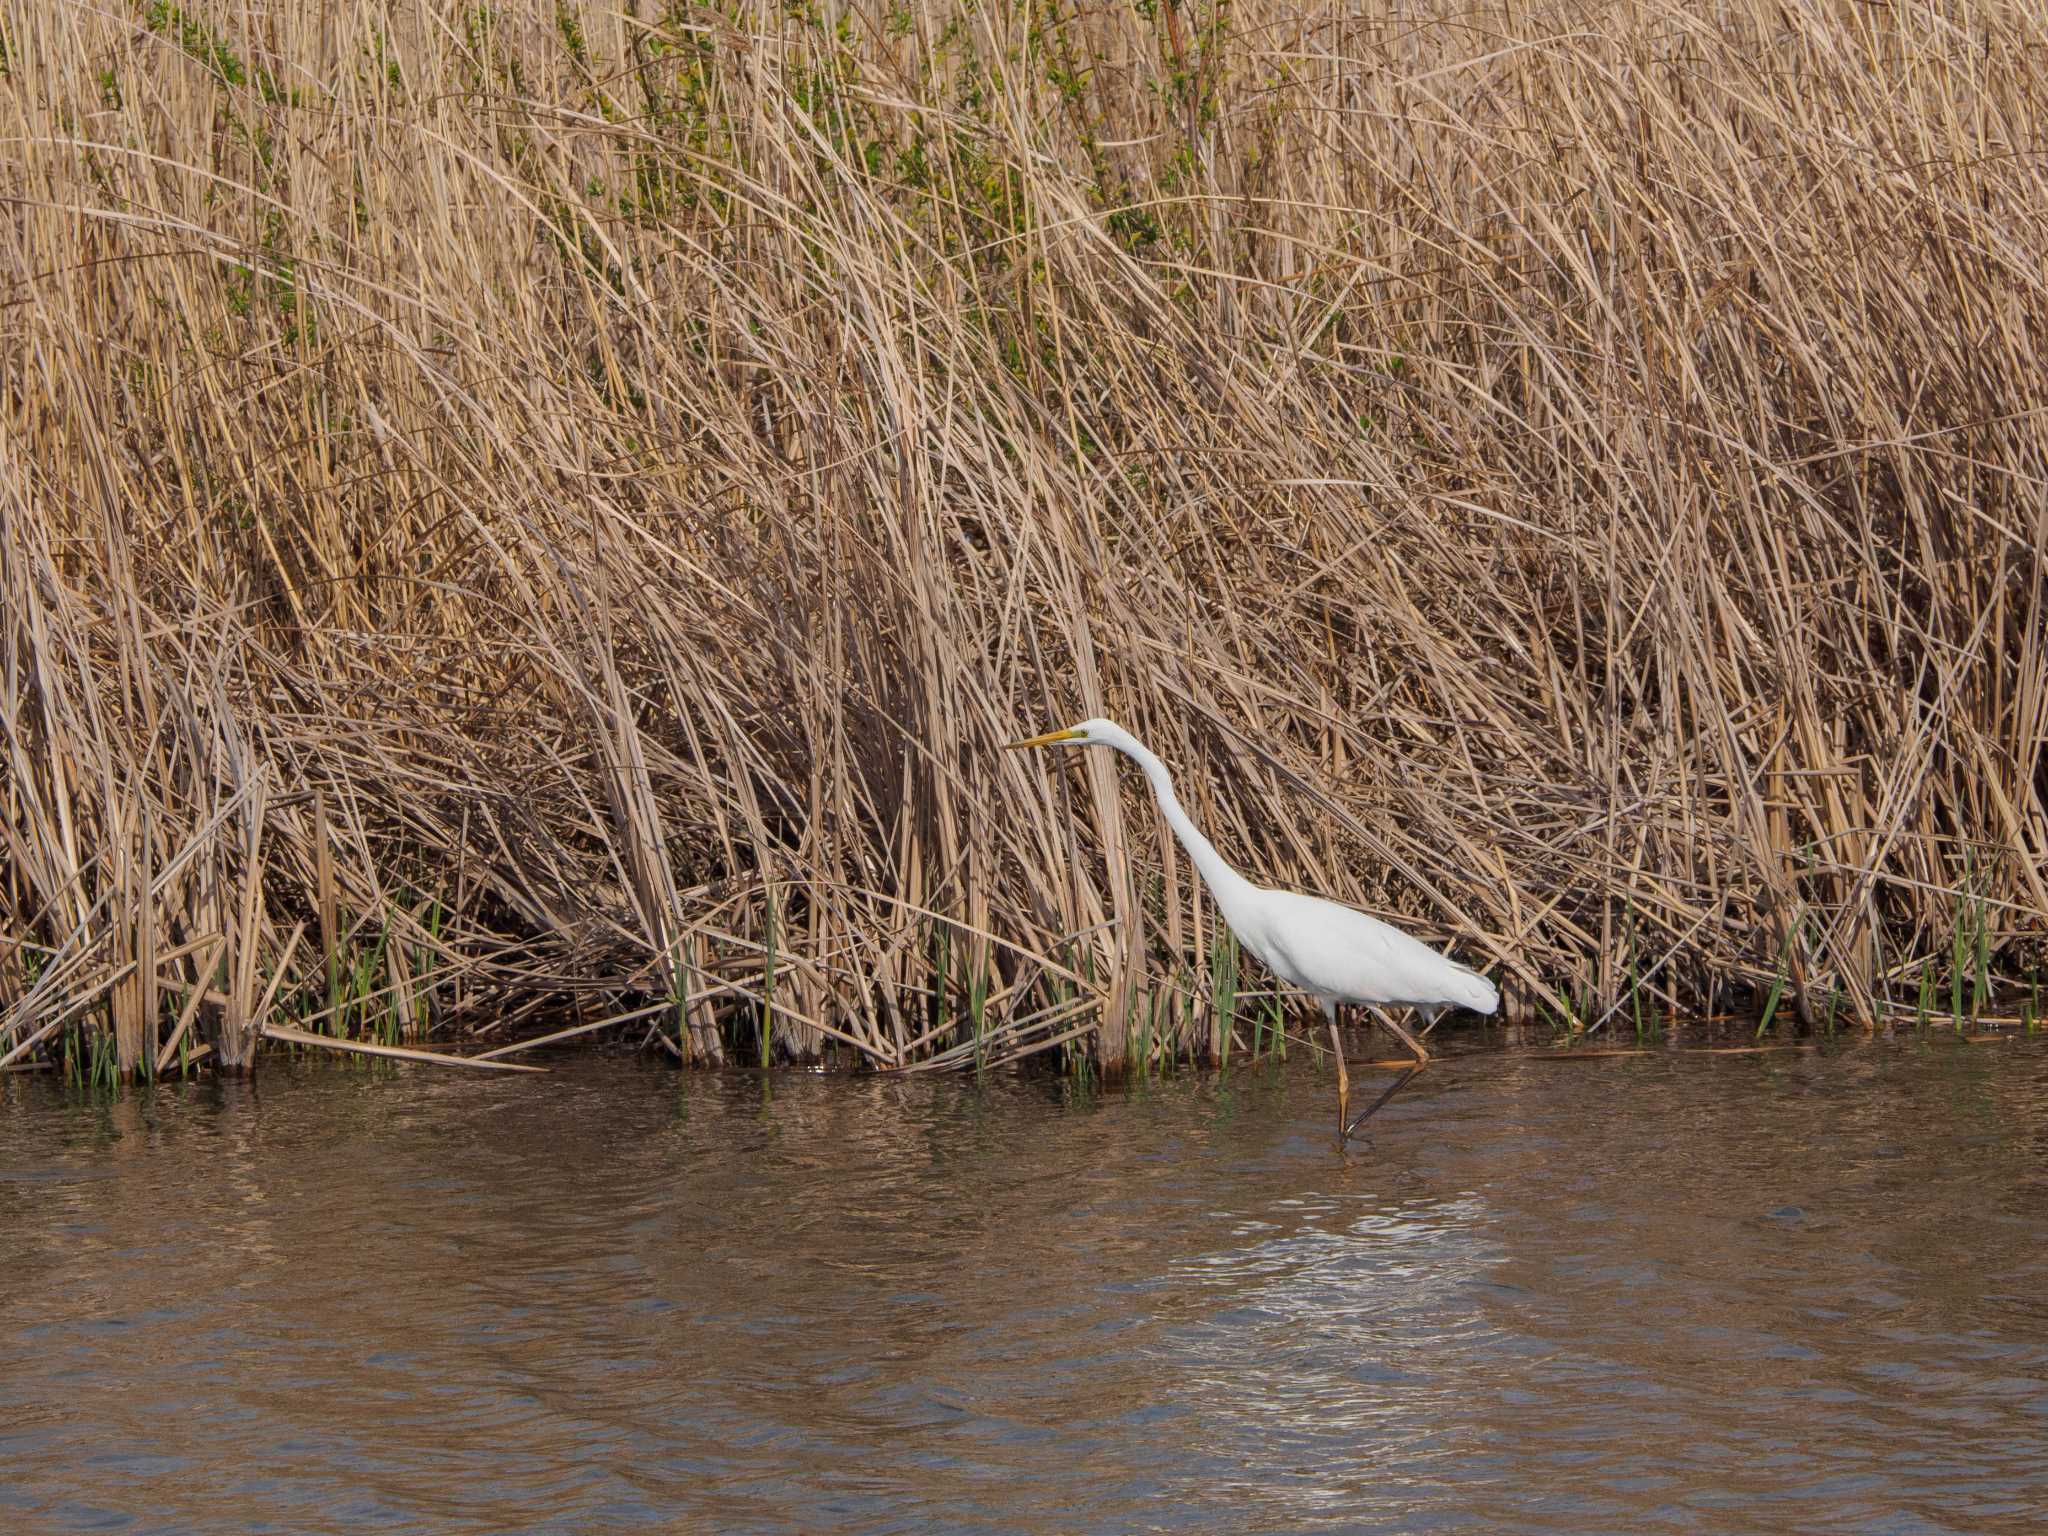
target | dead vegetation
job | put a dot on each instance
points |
(523, 519)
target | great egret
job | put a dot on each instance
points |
(1333, 952)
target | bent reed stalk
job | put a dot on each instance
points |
(559, 505)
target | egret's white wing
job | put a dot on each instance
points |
(1336, 951)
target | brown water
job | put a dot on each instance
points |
(1792, 1292)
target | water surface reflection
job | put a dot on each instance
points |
(1800, 1292)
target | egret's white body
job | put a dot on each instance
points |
(1330, 951)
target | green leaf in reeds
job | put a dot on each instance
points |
(1783, 977)
(1980, 984)
(1556, 1007)
(1223, 993)
(977, 1012)
(366, 976)
(679, 993)
(1959, 944)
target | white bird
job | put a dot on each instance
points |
(1330, 951)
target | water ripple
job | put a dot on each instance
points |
(1687, 1294)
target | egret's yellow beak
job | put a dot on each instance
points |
(1046, 740)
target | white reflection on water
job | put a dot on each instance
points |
(1323, 1339)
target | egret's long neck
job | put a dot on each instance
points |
(1225, 882)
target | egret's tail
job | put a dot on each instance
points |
(1474, 991)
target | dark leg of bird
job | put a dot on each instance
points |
(1408, 1076)
(1343, 1077)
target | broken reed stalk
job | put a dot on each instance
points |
(194, 998)
(1573, 480)
(290, 1036)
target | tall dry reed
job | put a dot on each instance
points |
(559, 504)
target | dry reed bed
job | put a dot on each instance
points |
(519, 513)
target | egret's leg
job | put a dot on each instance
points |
(1408, 1075)
(1343, 1077)
(1413, 1044)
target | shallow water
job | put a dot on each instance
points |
(1773, 1293)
